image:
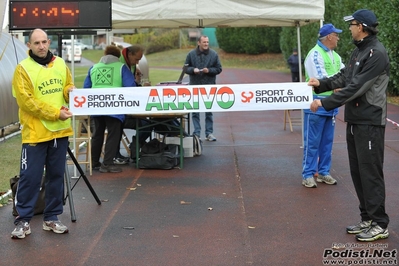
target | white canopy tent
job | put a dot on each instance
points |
(128, 14)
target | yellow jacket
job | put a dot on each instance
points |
(33, 110)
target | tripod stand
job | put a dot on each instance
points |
(69, 188)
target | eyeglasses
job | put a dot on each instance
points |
(353, 24)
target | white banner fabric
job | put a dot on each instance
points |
(191, 98)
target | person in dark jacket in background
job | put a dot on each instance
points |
(202, 66)
(293, 62)
(362, 88)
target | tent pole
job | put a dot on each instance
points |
(298, 34)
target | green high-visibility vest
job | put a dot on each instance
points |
(106, 75)
(49, 87)
(332, 67)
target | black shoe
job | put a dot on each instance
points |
(120, 156)
(96, 166)
(121, 160)
(110, 168)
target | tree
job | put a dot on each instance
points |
(387, 15)
(249, 40)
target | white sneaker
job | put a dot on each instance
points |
(309, 182)
(21, 230)
(374, 232)
(328, 179)
(55, 226)
(210, 137)
(359, 227)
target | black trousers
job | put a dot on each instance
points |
(295, 76)
(366, 160)
(113, 126)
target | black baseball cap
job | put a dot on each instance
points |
(364, 16)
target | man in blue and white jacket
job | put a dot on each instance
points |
(321, 62)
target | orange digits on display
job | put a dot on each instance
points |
(60, 14)
(67, 11)
(53, 11)
(22, 14)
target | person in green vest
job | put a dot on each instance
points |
(41, 86)
(131, 56)
(321, 62)
(108, 73)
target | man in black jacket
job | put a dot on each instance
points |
(361, 87)
(293, 62)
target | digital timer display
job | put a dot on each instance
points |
(88, 14)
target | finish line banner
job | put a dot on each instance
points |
(191, 98)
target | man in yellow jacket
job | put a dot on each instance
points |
(41, 86)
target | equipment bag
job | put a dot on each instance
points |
(40, 204)
(153, 146)
(158, 155)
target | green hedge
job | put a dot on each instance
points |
(276, 40)
(249, 40)
(157, 40)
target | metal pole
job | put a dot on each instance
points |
(298, 34)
